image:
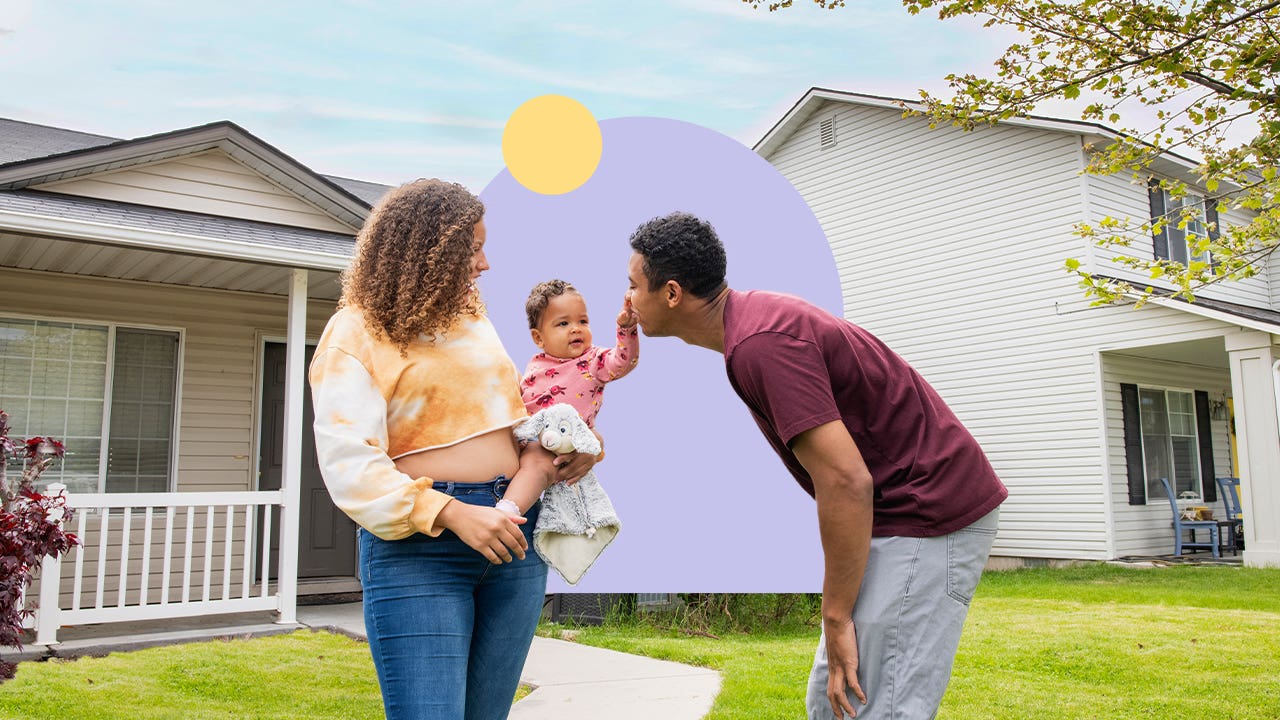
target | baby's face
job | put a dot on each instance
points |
(564, 331)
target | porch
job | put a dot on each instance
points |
(227, 435)
(1191, 411)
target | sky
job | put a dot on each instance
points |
(390, 91)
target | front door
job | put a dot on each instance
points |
(327, 545)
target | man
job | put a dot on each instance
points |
(907, 501)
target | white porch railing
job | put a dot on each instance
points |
(152, 556)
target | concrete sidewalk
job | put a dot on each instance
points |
(576, 682)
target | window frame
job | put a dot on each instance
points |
(109, 382)
(1198, 480)
(1172, 216)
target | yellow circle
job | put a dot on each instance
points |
(552, 144)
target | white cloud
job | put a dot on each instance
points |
(323, 107)
(636, 82)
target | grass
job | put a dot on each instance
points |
(1089, 642)
(300, 675)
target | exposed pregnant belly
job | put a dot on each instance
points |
(479, 459)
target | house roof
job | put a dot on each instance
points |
(341, 201)
(21, 141)
(1253, 318)
(816, 97)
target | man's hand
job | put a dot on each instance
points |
(844, 491)
(842, 666)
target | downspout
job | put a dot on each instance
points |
(1275, 386)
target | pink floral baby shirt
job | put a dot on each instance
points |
(579, 381)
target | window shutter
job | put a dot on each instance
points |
(1211, 219)
(1131, 412)
(1160, 240)
(1204, 433)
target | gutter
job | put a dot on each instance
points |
(198, 245)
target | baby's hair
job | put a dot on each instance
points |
(540, 296)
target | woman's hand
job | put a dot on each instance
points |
(570, 467)
(490, 532)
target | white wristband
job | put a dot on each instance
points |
(507, 506)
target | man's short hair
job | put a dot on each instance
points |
(540, 296)
(684, 248)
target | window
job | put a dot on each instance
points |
(1170, 444)
(108, 392)
(1171, 242)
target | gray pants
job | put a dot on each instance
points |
(908, 617)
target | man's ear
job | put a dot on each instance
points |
(674, 293)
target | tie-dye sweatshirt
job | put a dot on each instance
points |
(373, 405)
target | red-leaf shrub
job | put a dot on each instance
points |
(30, 529)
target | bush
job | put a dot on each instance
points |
(724, 613)
(30, 529)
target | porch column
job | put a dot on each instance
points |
(291, 468)
(1252, 357)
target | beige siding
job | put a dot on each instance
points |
(210, 182)
(1146, 529)
(220, 363)
(950, 247)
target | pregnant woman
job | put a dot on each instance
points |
(415, 399)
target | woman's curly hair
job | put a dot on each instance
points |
(411, 273)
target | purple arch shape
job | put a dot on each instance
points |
(705, 505)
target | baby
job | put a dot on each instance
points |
(569, 369)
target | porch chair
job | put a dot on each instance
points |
(1191, 526)
(1229, 489)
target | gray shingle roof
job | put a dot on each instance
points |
(25, 141)
(367, 191)
(143, 217)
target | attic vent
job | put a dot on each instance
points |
(827, 132)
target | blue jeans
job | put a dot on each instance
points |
(448, 630)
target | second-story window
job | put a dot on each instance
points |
(1171, 243)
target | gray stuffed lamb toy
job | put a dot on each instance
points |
(577, 521)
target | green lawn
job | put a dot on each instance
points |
(300, 675)
(1090, 642)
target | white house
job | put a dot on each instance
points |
(156, 298)
(951, 246)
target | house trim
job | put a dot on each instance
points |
(174, 242)
(1090, 133)
(224, 135)
(1202, 311)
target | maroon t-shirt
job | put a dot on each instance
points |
(797, 366)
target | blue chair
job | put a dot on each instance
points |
(1229, 489)
(1190, 526)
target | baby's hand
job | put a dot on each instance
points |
(627, 318)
